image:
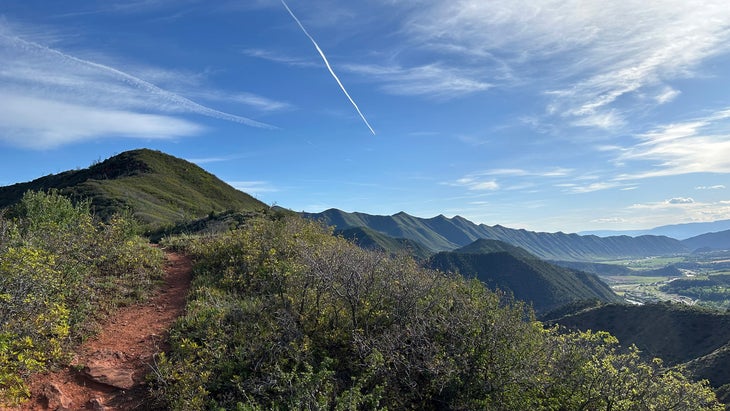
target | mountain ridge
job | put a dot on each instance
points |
(445, 234)
(681, 231)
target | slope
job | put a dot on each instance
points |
(156, 187)
(530, 279)
(373, 240)
(676, 333)
(710, 241)
(443, 234)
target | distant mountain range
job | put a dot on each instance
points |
(506, 267)
(161, 190)
(678, 231)
(157, 188)
(445, 234)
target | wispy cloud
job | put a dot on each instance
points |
(607, 52)
(474, 184)
(589, 188)
(715, 187)
(43, 124)
(105, 100)
(278, 57)
(431, 80)
(252, 100)
(519, 172)
(680, 200)
(329, 67)
(681, 210)
(253, 187)
(700, 145)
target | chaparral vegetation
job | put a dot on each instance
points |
(284, 315)
(61, 270)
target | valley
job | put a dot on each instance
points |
(692, 279)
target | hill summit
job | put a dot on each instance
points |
(155, 187)
(503, 266)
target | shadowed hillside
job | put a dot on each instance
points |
(500, 265)
(156, 187)
(373, 240)
(677, 333)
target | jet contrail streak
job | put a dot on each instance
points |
(180, 101)
(327, 63)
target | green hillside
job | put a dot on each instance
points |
(157, 188)
(445, 234)
(373, 240)
(500, 265)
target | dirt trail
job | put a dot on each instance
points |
(108, 370)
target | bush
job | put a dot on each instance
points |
(60, 271)
(285, 316)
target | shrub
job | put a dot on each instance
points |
(60, 271)
(285, 316)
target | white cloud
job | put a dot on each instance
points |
(484, 185)
(680, 200)
(473, 184)
(253, 187)
(41, 123)
(666, 95)
(39, 84)
(715, 187)
(610, 220)
(434, 80)
(255, 101)
(278, 57)
(587, 55)
(666, 211)
(582, 189)
(697, 146)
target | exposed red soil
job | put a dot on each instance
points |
(108, 371)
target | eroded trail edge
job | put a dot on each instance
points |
(108, 371)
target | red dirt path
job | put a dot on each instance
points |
(123, 350)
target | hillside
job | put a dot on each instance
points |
(500, 265)
(373, 240)
(444, 234)
(676, 333)
(710, 241)
(157, 188)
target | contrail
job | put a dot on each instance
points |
(182, 102)
(327, 63)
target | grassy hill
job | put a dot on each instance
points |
(157, 188)
(500, 265)
(445, 234)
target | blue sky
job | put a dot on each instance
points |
(549, 115)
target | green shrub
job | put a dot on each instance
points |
(60, 271)
(283, 315)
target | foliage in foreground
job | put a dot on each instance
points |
(285, 316)
(60, 270)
